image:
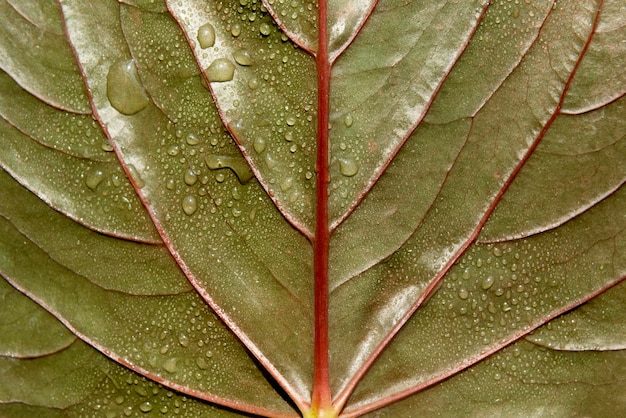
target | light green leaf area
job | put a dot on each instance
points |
(35, 53)
(525, 380)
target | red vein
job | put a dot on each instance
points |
(321, 396)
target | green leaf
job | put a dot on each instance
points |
(169, 234)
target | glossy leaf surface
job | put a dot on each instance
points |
(163, 203)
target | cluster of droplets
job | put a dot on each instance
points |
(123, 394)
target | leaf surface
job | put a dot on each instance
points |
(169, 205)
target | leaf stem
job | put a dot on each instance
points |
(321, 399)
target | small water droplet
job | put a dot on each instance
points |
(242, 57)
(270, 161)
(124, 90)
(136, 177)
(259, 145)
(265, 29)
(183, 340)
(235, 30)
(192, 139)
(463, 293)
(190, 204)
(487, 282)
(170, 365)
(202, 363)
(94, 178)
(286, 184)
(221, 70)
(348, 167)
(190, 177)
(145, 407)
(206, 35)
(253, 83)
(347, 120)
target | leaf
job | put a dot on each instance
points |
(440, 234)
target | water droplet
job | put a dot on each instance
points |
(124, 90)
(170, 365)
(270, 161)
(487, 282)
(94, 178)
(265, 29)
(206, 35)
(190, 177)
(291, 121)
(347, 120)
(221, 70)
(242, 57)
(238, 165)
(136, 177)
(235, 30)
(463, 293)
(192, 139)
(202, 363)
(190, 204)
(183, 340)
(259, 145)
(348, 167)
(286, 184)
(497, 252)
(253, 83)
(145, 407)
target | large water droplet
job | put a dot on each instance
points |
(238, 165)
(221, 70)
(348, 167)
(170, 365)
(190, 204)
(206, 35)
(487, 282)
(124, 90)
(265, 29)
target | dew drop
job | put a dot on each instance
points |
(238, 165)
(348, 167)
(190, 204)
(347, 120)
(253, 83)
(463, 293)
(202, 363)
(170, 365)
(236, 30)
(190, 177)
(286, 184)
(183, 340)
(192, 139)
(242, 57)
(264, 29)
(145, 407)
(270, 161)
(259, 145)
(206, 35)
(487, 282)
(221, 70)
(124, 90)
(136, 177)
(94, 178)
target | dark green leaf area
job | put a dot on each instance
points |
(26, 329)
(497, 293)
(601, 78)
(40, 61)
(581, 160)
(80, 382)
(501, 42)
(179, 339)
(94, 193)
(58, 380)
(383, 85)
(525, 380)
(74, 134)
(264, 88)
(599, 324)
(110, 263)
